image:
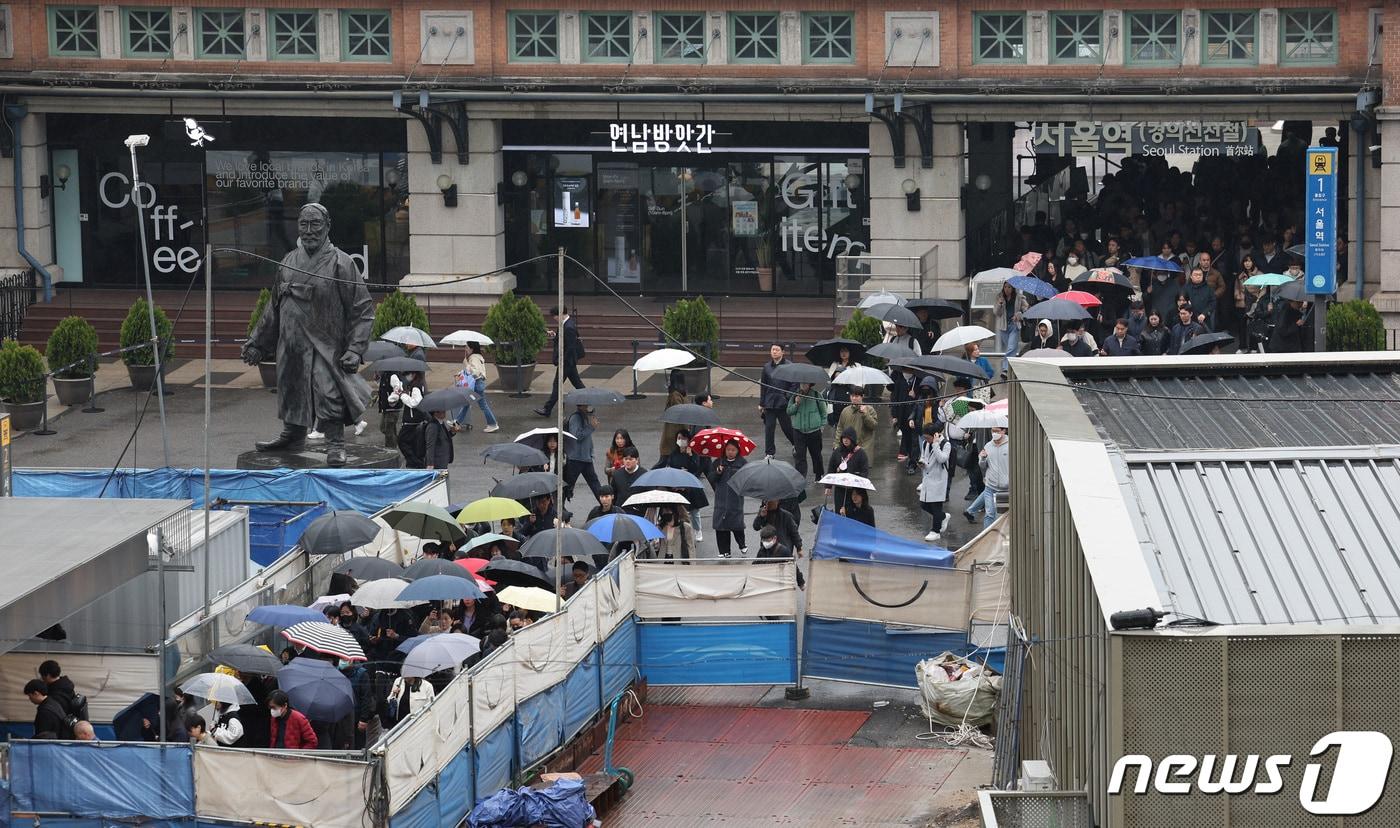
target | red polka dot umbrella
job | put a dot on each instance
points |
(710, 442)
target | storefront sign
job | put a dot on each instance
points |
(172, 245)
(289, 171)
(745, 218)
(1321, 224)
(800, 230)
(1228, 139)
(661, 137)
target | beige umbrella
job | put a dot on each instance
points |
(529, 598)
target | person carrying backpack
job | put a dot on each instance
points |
(51, 718)
(61, 688)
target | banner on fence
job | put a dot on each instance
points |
(715, 590)
(249, 786)
(102, 781)
(924, 596)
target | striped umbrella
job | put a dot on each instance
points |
(710, 442)
(325, 638)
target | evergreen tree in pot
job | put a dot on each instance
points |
(72, 357)
(396, 311)
(517, 327)
(22, 384)
(690, 324)
(267, 369)
(136, 330)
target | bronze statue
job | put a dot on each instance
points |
(318, 321)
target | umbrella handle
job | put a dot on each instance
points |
(713, 596)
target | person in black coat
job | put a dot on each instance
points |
(50, 719)
(437, 442)
(728, 516)
(573, 352)
(773, 400)
(858, 507)
(1185, 328)
(685, 459)
(625, 476)
(1121, 343)
(1287, 337)
(849, 458)
(783, 523)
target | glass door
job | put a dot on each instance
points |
(686, 229)
(620, 225)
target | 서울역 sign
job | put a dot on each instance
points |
(1229, 139)
(661, 137)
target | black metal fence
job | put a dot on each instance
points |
(17, 292)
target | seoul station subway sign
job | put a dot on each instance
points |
(1225, 139)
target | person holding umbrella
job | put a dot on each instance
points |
(840, 394)
(773, 400)
(578, 456)
(678, 541)
(857, 417)
(933, 489)
(473, 378)
(848, 458)
(772, 515)
(858, 507)
(1008, 311)
(407, 394)
(807, 411)
(728, 520)
(288, 728)
(1187, 326)
(675, 395)
(682, 456)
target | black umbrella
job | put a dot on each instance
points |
(889, 350)
(592, 396)
(829, 350)
(1203, 343)
(897, 314)
(369, 568)
(245, 658)
(1104, 277)
(530, 484)
(447, 399)
(338, 531)
(798, 372)
(1294, 291)
(434, 566)
(1057, 310)
(937, 308)
(506, 572)
(690, 414)
(379, 349)
(515, 454)
(768, 479)
(576, 543)
(943, 364)
(539, 438)
(127, 721)
(399, 365)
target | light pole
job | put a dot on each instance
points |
(132, 142)
(685, 176)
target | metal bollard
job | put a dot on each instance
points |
(636, 393)
(44, 429)
(92, 387)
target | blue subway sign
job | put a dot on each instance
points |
(1320, 234)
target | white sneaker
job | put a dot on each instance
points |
(491, 429)
(932, 536)
(313, 434)
(360, 427)
(699, 536)
(744, 553)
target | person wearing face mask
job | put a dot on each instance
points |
(683, 457)
(1162, 289)
(934, 452)
(288, 728)
(995, 460)
(770, 547)
(1074, 266)
(1044, 337)
(1074, 342)
(675, 395)
(772, 514)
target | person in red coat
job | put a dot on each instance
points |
(288, 729)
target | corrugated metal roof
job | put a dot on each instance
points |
(1214, 411)
(1265, 541)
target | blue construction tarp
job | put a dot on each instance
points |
(620, 658)
(870, 652)
(444, 802)
(581, 701)
(272, 530)
(841, 537)
(97, 780)
(540, 724)
(495, 760)
(710, 654)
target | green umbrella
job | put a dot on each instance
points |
(424, 520)
(488, 539)
(1268, 280)
(488, 509)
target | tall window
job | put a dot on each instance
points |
(1308, 36)
(680, 37)
(1229, 37)
(146, 32)
(1076, 38)
(365, 35)
(1154, 38)
(534, 37)
(607, 37)
(999, 38)
(828, 38)
(220, 33)
(73, 31)
(753, 37)
(294, 35)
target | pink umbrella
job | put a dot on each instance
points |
(1001, 406)
(1027, 263)
(1081, 298)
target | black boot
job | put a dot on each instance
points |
(292, 438)
(335, 444)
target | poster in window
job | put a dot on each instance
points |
(745, 218)
(571, 208)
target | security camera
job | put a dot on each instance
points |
(134, 141)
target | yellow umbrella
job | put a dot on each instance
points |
(529, 598)
(488, 509)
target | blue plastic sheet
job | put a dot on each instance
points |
(709, 654)
(540, 725)
(495, 759)
(620, 658)
(841, 537)
(103, 780)
(581, 700)
(561, 805)
(95, 822)
(444, 802)
(272, 530)
(871, 652)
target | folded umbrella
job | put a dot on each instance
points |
(447, 399)
(327, 639)
(768, 479)
(796, 372)
(506, 572)
(537, 438)
(408, 335)
(829, 350)
(889, 350)
(593, 396)
(1084, 299)
(623, 528)
(1153, 263)
(529, 598)
(1268, 280)
(522, 486)
(463, 338)
(884, 297)
(452, 587)
(217, 687)
(399, 365)
(862, 375)
(424, 520)
(444, 651)
(380, 349)
(896, 314)
(245, 658)
(939, 308)
(1033, 286)
(515, 454)
(380, 594)
(368, 568)
(316, 689)
(283, 615)
(983, 419)
(690, 414)
(664, 359)
(429, 567)
(710, 442)
(338, 531)
(1057, 310)
(668, 478)
(942, 364)
(1204, 343)
(575, 543)
(656, 498)
(963, 335)
(848, 481)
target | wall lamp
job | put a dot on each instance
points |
(449, 190)
(911, 194)
(46, 185)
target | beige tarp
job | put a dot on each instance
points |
(889, 593)
(986, 555)
(616, 599)
(419, 749)
(715, 590)
(247, 786)
(541, 655)
(110, 682)
(493, 692)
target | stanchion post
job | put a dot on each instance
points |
(636, 393)
(92, 387)
(44, 429)
(709, 365)
(519, 374)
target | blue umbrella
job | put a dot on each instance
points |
(407, 645)
(284, 615)
(127, 722)
(619, 528)
(1033, 286)
(442, 588)
(321, 692)
(668, 478)
(1153, 263)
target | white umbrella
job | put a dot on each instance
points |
(656, 497)
(462, 338)
(329, 600)
(530, 598)
(884, 297)
(538, 437)
(960, 336)
(996, 274)
(849, 481)
(982, 419)
(382, 594)
(439, 652)
(664, 359)
(219, 687)
(862, 375)
(408, 335)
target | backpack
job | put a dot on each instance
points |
(77, 710)
(413, 443)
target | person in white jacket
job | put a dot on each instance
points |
(228, 729)
(933, 463)
(408, 694)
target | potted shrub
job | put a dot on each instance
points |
(397, 310)
(691, 321)
(868, 331)
(72, 358)
(22, 384)
(1355, 326)
(517, 327)
(267, 369)
(136, 330)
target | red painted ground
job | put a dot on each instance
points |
(746, 766)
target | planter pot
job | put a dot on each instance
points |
(73, 391)
(695, 377)
(765, 279)
(268, 372)
(516, 377)
(143, 377)
(25, 416)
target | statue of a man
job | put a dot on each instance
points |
(318, 323)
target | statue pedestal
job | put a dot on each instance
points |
(357, 456)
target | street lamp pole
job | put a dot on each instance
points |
(132, 142)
